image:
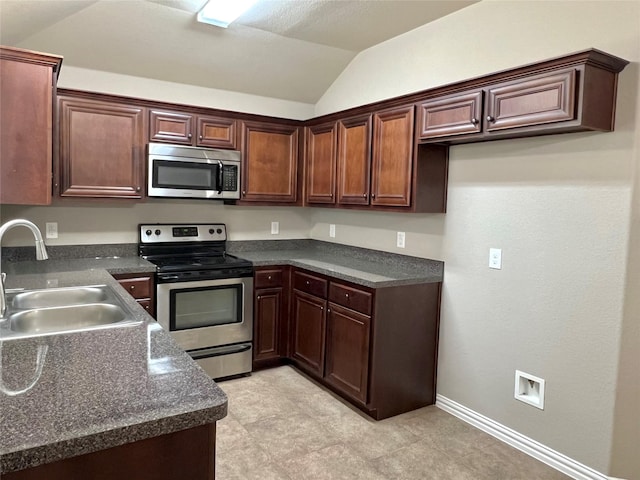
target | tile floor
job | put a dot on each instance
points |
(283, 426)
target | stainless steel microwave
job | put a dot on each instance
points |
(193, 172)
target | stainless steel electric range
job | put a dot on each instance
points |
(203, 296)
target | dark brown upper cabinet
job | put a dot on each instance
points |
(27, 93)
(269, 162)
(568, 94)
(101, 149)
(392, 157)
(320, 155)
(187, 129)
(354, 160)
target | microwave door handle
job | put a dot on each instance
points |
(220, 177)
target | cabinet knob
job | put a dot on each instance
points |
(364, 195)
(346, 295)
(244, 193)
(200, 137)
(259, 297)
(137, 188)
(307, 282)
(373, 195)
(189, 136)
(146, 307)
(490, 118)
(132, 287)
(269, 277)
(321, 308)
(475, 121)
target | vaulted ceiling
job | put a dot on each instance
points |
(289, 49)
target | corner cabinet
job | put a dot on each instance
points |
(269, 163)
(101, 149)
(27, 92)
(142, 287)
(572, 94)
(376, 348)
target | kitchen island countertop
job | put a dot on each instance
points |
(97, 389)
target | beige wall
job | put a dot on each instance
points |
(559, 207)
(118, 84)
(85, 223)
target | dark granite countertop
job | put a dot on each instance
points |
(370, 268)
(96, 389)
(112, 264)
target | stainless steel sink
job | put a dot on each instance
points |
(57, 297)
(62, 319)
(64, 310)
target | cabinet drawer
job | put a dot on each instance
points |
(268, 278)
(350, 297)
(310, 284)
(139, 287)
(145, 303)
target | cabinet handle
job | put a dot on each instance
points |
(189, 136)
(490, 119)
(475, 121)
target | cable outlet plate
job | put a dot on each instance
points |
(529, 389)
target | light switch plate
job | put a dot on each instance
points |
(400, 240)
(275, 228)
(332, 230)
(495, 258)
(52, 229)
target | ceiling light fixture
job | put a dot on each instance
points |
(222, 12)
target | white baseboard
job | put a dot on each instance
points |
(525, 444)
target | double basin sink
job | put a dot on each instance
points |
(63, 310)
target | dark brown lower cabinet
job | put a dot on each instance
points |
(376, 348)
(175, 456)
(270, 316)
(347, 360)
(308, 329)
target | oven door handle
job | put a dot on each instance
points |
(220, 177)
(218, 351)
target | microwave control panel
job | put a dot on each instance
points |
(229, 178)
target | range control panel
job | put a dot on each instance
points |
(192, 232)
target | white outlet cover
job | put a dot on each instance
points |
(400, 240)
(495, 258)
(51, 230)
(332, 230)
(275, 228)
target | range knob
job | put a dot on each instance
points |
(211, 231)
(148, 232)
(219, 231)
(157, 232)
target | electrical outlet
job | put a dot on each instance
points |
(400, 240)
(495, 258)
(52, 229)
(275, 228)
(332, 230)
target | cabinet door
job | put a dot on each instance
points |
(171, 127)
(140, 286)
(392, 158)
(347, 364)
(320, 157)
(543, 99)
(354, 160)
(26, 119)
(101, 149)
(270, 162)
(452, 115)
(308, 339)
(268, 312)
(217, 132)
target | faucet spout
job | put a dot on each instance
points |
(41, 251)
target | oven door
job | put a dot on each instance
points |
(207, 313)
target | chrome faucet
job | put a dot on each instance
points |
(41, 252)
